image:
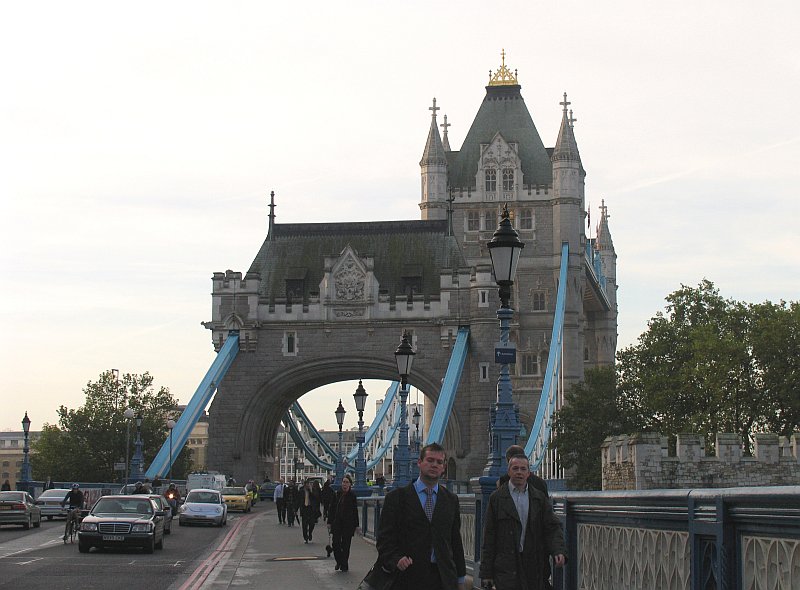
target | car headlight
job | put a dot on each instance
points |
(218, 509)
(88, 526)
(182, 509)
(142, 528)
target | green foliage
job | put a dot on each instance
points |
(89, 440)
(592, 412)
(705, 365)
(711, 365)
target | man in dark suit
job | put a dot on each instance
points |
(419, 535)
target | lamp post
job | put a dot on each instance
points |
(360, 488)
(128, 417)
(339, 468)
(138, 458)
(505, 248)
(26, 465)
(297, 464)
(414, 467)
(170, 425)
(404, 355)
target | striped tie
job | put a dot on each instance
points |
(429, 503)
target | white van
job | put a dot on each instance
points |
(207, 481)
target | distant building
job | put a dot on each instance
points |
(11, 455)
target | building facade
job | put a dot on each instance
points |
(326, 302)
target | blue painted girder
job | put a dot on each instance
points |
(450, 383)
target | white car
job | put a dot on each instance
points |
(49, 501)
(203, 506)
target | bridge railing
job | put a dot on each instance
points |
(745, 538)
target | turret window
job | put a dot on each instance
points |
(539, 301)
(491, 180)
(526, 219)
(508, 179)
(530, 364)
(473, 221)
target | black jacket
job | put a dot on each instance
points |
(500, 558)
(343, 514)
(404, 530)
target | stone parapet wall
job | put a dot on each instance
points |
(642, 462)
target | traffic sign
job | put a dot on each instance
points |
(505, 354)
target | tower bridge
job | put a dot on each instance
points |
(328, 302)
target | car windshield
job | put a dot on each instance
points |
(12, 496)
(202, 497)
(53, 493)
(131, 505)
(233, 492)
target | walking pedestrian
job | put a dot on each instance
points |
(420, 530)
(309, 510)
(519, 527)
(326, 497)
(280, 504)
(290, 495)
(343, 523)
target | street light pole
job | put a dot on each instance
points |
(414, 467)
(128, 417)
(360, 488)
(505, 248)
(339, 469)
(170, 425)
(404, 356)
(26, 465)
(138, 457)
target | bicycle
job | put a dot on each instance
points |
(72, 526)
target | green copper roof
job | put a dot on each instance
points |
(399, 249)
(503, 110)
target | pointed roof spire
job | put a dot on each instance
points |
(444, 127)
(271, 214)
(566, 146)
(604, 241)
(434, 150)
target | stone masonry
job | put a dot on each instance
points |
(642, 462)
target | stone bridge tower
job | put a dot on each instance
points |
(327, 302)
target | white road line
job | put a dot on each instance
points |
(30, 561)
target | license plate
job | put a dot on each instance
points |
(113, 538)
(5, 507)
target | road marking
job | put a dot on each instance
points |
(200, 575)
(29, 561)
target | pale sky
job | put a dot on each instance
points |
(139, 143)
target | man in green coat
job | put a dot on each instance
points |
(520, 529)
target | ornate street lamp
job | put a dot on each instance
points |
(138, 457)
(404, 356)
(26, 465)
(129, 414)
(339, 469)
(360, 488)
(170, 425)
(505, 248)
(415, 418)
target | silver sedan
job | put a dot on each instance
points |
(19, 508)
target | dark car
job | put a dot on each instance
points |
(123, 521)
(267, 490)
(162, 501)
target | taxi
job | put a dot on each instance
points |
(237, 498)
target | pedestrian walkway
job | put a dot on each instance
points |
(265, 554)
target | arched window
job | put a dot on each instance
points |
(508, 179)
(491, 180)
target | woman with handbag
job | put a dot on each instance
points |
(343, 522)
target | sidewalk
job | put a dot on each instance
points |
(271, 555)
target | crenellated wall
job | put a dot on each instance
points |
(642, 462)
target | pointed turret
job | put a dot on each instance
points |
(566, 146)
(434, 173)
(568, 184)
(445, 141)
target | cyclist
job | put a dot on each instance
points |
(173, 496)
(75, 499)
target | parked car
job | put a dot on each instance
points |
(164, 504)
(123, 521)
(203, 506)
(237, 499)
(49, 502)
(19, 508)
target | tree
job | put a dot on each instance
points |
(89, 440)
(592, 411)
(709, 365)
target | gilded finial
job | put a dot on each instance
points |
(503, 76)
